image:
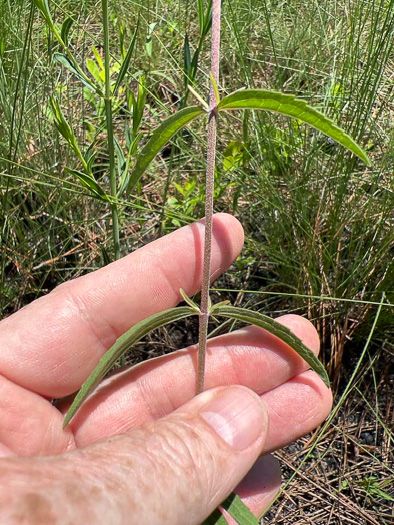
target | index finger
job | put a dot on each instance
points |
(53, 344)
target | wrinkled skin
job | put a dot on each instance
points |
(143, 449)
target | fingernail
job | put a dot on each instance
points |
(237, 415)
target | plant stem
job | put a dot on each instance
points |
(110, 132)
(209, 194)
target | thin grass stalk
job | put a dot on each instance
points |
(209, 194)
(110, 132)
(13, 147)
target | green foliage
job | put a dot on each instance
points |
(292, 107)
(139, 330)
(126, 61)
(190, 64)
(159, 139)
(75, 69)
(65, 30)
(65, 129)
(122, 344)
(277, 329)
(318, 224)
(43, 7)
(89, 182)
(245, 99)
(375, 488)
(237, 509)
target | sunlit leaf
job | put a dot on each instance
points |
(148, 44)
(42, 5)
(292, 107)
(120, 347)
(76, 70)
(139, 105)
(215, 88)
(126, 61)
(159, 139)
(65, 31)
(64, 127)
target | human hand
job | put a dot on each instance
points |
(143, 449)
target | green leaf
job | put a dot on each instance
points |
(148, 44)
(186, 60)
(139, 105)
(159, 139)
(42, 5)
(64, 128)
(124, 179)
(292, 107)
(189, 301)
(194, 64)
(65, 31)
(215, 88)
(94, 69)
(236, 508)
(126, 61)
(277, 329)
(201, 18)
(74, 68)
(89, 182)
(198, 97)
(120, 347)
(98, 58)
(207, 20)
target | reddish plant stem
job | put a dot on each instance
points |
(209, 194)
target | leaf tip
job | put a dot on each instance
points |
(67, 419)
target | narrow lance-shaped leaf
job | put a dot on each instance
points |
(147, 325)
(201, 18)
(120, 347)
(292, 107)
(159, 139)
(277, 329)
(126, 62)
(139, 105)
(186, 60)
(236, 508)
(65, 30)
(42, 5)
(90, 183)
(207, 20)
(65, 129)
(76, 70)
(215, 88)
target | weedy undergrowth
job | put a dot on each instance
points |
(256, 99)
(100, 85)
(244, 99)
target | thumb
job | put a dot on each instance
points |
(180, 468)
(176, 470)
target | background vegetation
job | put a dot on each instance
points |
(319, 224)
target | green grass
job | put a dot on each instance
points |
(319, 224)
